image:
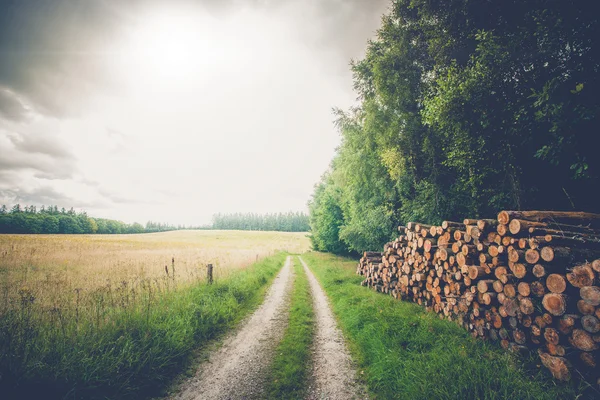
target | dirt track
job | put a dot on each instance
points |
(334, 376)
(238, 370)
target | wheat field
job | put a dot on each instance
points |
(49, 267)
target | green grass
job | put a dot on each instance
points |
(291, 365)
(404, 352)
(135, 353)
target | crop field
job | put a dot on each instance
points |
(64, 296)
(47, 266)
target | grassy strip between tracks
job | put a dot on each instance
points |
(291, 367)
(404, 352)
(135, 352)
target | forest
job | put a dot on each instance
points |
(285, 222)
(464, 108)
(50, 220)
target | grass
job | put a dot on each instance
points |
(291, 366)
(120, 347)
(405, 352)
(52, 265)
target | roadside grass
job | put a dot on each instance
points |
(404, 352)
(119, 350)
(291, 366)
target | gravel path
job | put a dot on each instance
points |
(237, 370)
(334, 376)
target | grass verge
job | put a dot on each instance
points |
(291, 365)
(405, 352)
(136, 353)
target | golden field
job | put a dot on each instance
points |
(52, 266)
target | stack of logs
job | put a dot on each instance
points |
(528, 279)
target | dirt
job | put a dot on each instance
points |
(334, 376)
(238, 369)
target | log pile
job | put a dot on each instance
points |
(528, 279)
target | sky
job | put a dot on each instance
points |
(173, 111)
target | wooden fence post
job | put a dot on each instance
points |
(209, 274)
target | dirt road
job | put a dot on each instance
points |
(334, 376)
(239, 369)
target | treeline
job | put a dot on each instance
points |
(466, 107)
(286, 222)
(49, 220)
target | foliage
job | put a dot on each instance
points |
(466, 108)
(291, 366)
(49, 220)
(404, 352)
(124, 342)
(285, 222)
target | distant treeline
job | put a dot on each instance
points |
(48, 220)
(51, 219)
(286, 222)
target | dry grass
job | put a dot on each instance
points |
(105, 317)
(49, 265)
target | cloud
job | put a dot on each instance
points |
(45, 195)
(43, 154)
(11, 107)
(85, 121)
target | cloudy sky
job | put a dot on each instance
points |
(174, 110)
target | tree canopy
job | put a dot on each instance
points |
(465, 108)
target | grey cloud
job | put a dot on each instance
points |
(40, 144)
(46, 46)
(11, 107)
(44, 195)
(44, 155)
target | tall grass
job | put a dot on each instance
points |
(292, 364)
(119, 341)
(405, 352)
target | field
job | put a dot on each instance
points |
(40, 262)
(106, 317)
(106, 313)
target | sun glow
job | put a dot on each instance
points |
(172, 46)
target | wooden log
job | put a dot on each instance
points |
(565, 217)
(519, 336)
(526, 306)
(556, 283)
(555, 303)
(590, 324)
(581, 275)
(551, 335)
(559, 367)
(502, 229)
(567, 323)
(498, 286)
(588, 359)
(524, 289)
(585, 308)
(538, 289)
(519, 270)
(596, 265)
(538, 271)
(591, 295)
(532, 256)
(566, 254)
(582, 340)
(485, 285)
